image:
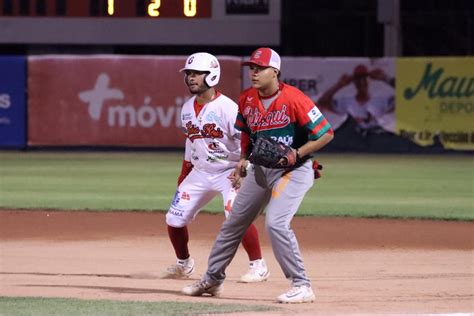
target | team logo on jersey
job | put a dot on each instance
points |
(176, 199)
(270, 120)
(213, 117)
(213, 145)
(178, 196)
(176, 212)
(287, 140)
(314, 114)
(192, 130)
(214, 148)
(216, 157)
(209, 130)
(185, 196)
(186, 116)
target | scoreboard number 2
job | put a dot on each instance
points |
(153, 8)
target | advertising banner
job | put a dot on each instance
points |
(12, 102)
(435, 101)
(113, 100)
(356, 95)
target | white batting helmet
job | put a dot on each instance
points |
(204, 62)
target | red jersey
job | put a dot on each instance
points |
(292, 118)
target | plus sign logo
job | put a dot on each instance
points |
(95, 98)
(118, 114)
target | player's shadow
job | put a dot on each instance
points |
(140, 275)
(112, 289)
(130, 290)
(102, 275)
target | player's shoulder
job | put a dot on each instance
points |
(249, 90)
(224, 104)
(293, 95)
(189, 104)
(293, 91)
(248, 94)
(225, 99)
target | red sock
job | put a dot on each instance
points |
(251, 243)
(179, 238)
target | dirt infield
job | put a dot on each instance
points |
(357, 265)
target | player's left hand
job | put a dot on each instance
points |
(289, 160)
(378, 74)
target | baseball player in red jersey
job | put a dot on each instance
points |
(211, 154)
(275, 109)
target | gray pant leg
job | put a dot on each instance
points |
(287, 197)
(246, 208)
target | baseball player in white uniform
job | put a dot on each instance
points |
(212, 151)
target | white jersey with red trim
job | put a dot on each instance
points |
(377, 111)
(213, 144)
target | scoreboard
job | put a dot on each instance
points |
(141, 22)
(108, 8)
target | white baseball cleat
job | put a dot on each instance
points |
(297, 294)
(201, 287)
(258, 272)
(181, 270)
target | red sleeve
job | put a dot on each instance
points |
(245, 144)
(240, 121)
(186, 168)
(311, 118)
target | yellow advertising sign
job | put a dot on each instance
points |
(435, 99)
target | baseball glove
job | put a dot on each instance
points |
(270, 153)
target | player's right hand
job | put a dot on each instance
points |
(239, 172)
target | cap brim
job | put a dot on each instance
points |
(248, 63)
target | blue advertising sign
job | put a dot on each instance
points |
(12, 101)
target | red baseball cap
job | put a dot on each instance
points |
(264, 57)
(360, 71)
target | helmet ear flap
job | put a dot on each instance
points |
(211, 79)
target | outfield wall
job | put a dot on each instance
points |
(412, 104)
(12, 101)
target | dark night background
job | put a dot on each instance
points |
(333, 28)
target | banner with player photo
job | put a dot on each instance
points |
(435, 101)
(110, 100)
(356, 95)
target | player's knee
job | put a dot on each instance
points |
(273, 225)
(175, 218)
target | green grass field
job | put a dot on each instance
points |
(38, 306)
(398, 186)
(395, 186)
